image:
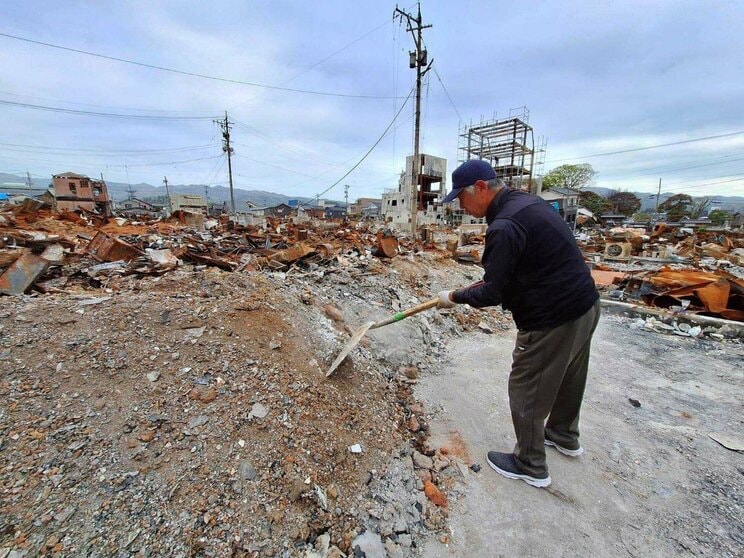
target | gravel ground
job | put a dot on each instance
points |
(188, 415)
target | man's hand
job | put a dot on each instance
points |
(445, 300)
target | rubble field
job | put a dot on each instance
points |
(165, 393)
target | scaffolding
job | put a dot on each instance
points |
(508, 144)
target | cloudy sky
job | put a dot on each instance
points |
(597, 77)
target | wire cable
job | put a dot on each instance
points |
(102, 114)
(728, 135)
(95, 152)
(191, 74)
(169, 162)
(447, 93)
(384, 133)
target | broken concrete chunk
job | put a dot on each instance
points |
(162, 257)
(247, 471)
(54, 253)
(421, 461)
(369, 545)
(727, 441)
(196, 422)
(258, 411)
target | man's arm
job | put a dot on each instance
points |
(505, 244)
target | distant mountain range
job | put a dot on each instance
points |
(217, 194)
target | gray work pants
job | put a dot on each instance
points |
(547, 381)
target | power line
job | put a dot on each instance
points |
(109, 107)
(102, 114)
(192, 74)
(447, 93)
(95, 152)
(675, 169)
(730, 134)
(705, 184)
(270, 165)
(384, 133)
(169, 162)
(352, 43)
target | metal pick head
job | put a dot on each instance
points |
(351, 343)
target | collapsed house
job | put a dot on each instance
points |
(74, 192)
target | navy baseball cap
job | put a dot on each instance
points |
(468, 174)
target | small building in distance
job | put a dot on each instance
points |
(75, 192)
(565, 201)
(372, 210)
(281, 210)
(356, 209)
(192, 203)
(334, 212)
(136, 206)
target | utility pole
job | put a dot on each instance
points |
(658, 193)
(346, 194)
(28, 182)
(418, 60)
(129, 184)
(167, 195)
(225, 126)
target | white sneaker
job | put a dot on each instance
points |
(565, 451)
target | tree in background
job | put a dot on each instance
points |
(699, 208)
(676, 206)
(718, 217)
(641, 217)
(625, 203)
(569, 176)
(594, 202)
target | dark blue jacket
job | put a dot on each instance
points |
(533, 266)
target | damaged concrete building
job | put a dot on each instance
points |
(74, 192)
(396, 203)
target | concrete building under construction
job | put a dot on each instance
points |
(509, 145)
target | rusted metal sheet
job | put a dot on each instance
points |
(387, 246)
(606, 278)
(715, 296)
(293, 253)
(105, 248)
(22, 274)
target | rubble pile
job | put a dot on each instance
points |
(173, 400)
(694, 273)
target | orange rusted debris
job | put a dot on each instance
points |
(434, 494)
(715, 296)
(671, 279)
(105, 248)
(293, 253)
(22, 274)
(387, 245)
(606, 278)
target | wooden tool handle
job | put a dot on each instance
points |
(434, 302)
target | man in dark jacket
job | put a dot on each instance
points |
(534, 269)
